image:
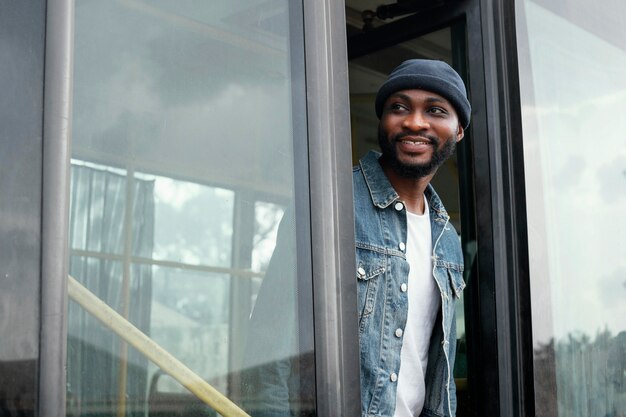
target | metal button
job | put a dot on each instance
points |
(402, 246)
(399, 332)
(404, 287)
(361, 271)
(393, 377)
(398, 206)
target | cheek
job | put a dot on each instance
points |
(390, 126)
(449, 130)
(384, 129)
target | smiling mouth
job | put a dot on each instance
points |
(415, 142)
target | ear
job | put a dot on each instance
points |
(460, 132)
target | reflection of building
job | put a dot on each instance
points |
(150, 150)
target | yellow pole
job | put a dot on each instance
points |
(162, 358)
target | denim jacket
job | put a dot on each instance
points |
(381, 271)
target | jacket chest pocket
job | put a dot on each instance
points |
(457, 282)
(370, 268)
(452, 275)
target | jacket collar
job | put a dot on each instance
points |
(382, 192)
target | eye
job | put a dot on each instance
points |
(438, 110)
(397, 107)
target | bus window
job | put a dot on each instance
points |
(572, 88)
(183, 165)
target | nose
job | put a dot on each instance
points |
(415, 121)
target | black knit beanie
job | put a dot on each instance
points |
(424, 74)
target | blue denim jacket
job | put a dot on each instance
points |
(381, 269)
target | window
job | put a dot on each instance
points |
(183, 168)
(573, 59)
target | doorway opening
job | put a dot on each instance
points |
(380, 37)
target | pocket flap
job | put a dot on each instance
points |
(369, 264)
(456, 281)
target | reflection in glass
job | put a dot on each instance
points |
(98, 200)
(573, 96)
(191, 222)
(93, 347)
(266, 219)
(183, 166)
(190, 320)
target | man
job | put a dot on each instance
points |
(409, 260)
(409, 267)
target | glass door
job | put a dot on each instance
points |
(184, 217)
(572, 95)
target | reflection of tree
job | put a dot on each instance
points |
(194, 223)
(577, 377)
(545, 381)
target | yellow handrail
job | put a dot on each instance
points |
(159, 356)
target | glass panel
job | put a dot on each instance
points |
(573, 61)
(22, 30)
(183, 168)
(22, 50)
(193, 223)
(266, 218)
(189, 318)
(98, 199)
(94, 352)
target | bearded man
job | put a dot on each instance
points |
(409, 262)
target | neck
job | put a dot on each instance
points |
(410, 190)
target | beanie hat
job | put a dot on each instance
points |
(424, 74)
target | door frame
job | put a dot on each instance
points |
(497, 309)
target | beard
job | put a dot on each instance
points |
(417, 170)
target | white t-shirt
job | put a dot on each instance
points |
(424, 301)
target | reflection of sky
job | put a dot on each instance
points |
(200, 91)
(576, 177)
(203, 90)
